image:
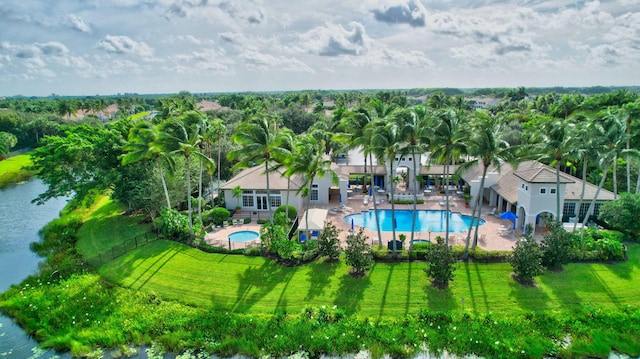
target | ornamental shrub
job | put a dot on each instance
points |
(556, 246)
(440, 261)
(173, 224)
(358, 253)
(293, 212)
(217, 215)
(329, 243)
(527, 258)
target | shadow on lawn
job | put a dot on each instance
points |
(529, 299)
(477, 295)
(319, 278)
(256, 282)
(351, 291)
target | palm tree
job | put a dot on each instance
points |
(181, 136)
(216, 130)
(414, 133)
(386, 142)
(617, 118)
(312, 163)
(487, 149)
(556, 144)
(611, 134)
(448, 145)
(142, 145)
(7, 141)
(260, 142)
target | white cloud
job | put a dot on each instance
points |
(410, 12)
(125, 45)
(335, 40)
(75, 22)
(257, 61)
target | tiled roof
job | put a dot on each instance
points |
(536, 172)
(254, 179)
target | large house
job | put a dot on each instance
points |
(529, 191)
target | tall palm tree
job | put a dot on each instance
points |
(260, 143)
(487, 149)
(143, 144)
(555, 144)
(617, 118)
(216, 130)
(386, 142)
(181, 136)
(587, 142)
(414, 134)
(448, 145)
(611, 134)
(313, 164)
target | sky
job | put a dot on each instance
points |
(106, 47)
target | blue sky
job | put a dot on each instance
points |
(96, 47)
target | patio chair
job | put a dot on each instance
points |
(365, 201)
(314, 234)
(493, 211)
(483, 239)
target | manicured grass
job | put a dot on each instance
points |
(12, 171)
(258, 285)
(105, 226)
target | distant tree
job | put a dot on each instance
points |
(358, 254)
(622, 214)
(526, 259)
(440, 263)
(7, 142)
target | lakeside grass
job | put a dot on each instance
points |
(258, 285)
(12, 170)
(104, 226)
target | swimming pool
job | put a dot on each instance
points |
(243, 236)
(425, 219)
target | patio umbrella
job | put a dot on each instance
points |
(509, 216)
(340, 197)
(428, 182)
(357, 180)
(370, 191)
(352, 224)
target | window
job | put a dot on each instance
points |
(276, 201)
(522, 186)
(585, 207)
(261, 191)
(247, 201)
(526, 188)
(543, 191)
(314, 192)
(552, 190)
(569, 210)
(247, 191)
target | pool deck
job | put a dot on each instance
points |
(492, 229)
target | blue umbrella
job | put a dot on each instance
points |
(370, 191)
(340, 197)
(357, 180)
(509, 216)
(428, 182)
(352, 224)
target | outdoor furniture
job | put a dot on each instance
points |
(315, 234)
(483, 239)
(493, 211)
(365, 200)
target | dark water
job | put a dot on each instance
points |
(20, 222)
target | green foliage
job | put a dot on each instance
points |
(440, 262)
(598, 245)
(216, 215)
(7, 142)
(358, 253)
(329, 243)
(527, 258)
(293, 212)
(556, 246)
(173, 224)
(271, 232)
(407, 201)
(13, 170)
(622, 214)
(285, 249)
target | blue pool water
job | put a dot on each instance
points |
(243, 236)
(425, 219)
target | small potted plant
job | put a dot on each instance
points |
(467, 198)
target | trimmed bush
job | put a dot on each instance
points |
(527, 258)
(440, 264)
(329, 243)
(358, 253)
(216, 215)
(293, 212)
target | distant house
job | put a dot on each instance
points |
(206, 105)
(478, 103)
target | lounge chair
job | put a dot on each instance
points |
(314, 234)
(483, 239)
(493, 211)
(365, 201)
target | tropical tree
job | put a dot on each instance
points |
(312, 164)
(487, 149)
(416, 140)
(448, 145)
(386, 143)
(181, 136)
(142, 145)
(555, 143)
(259, 141)
(215, 131)
(7, 141)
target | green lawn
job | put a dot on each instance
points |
(105, 226)
(11, 169)
(257, 285)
